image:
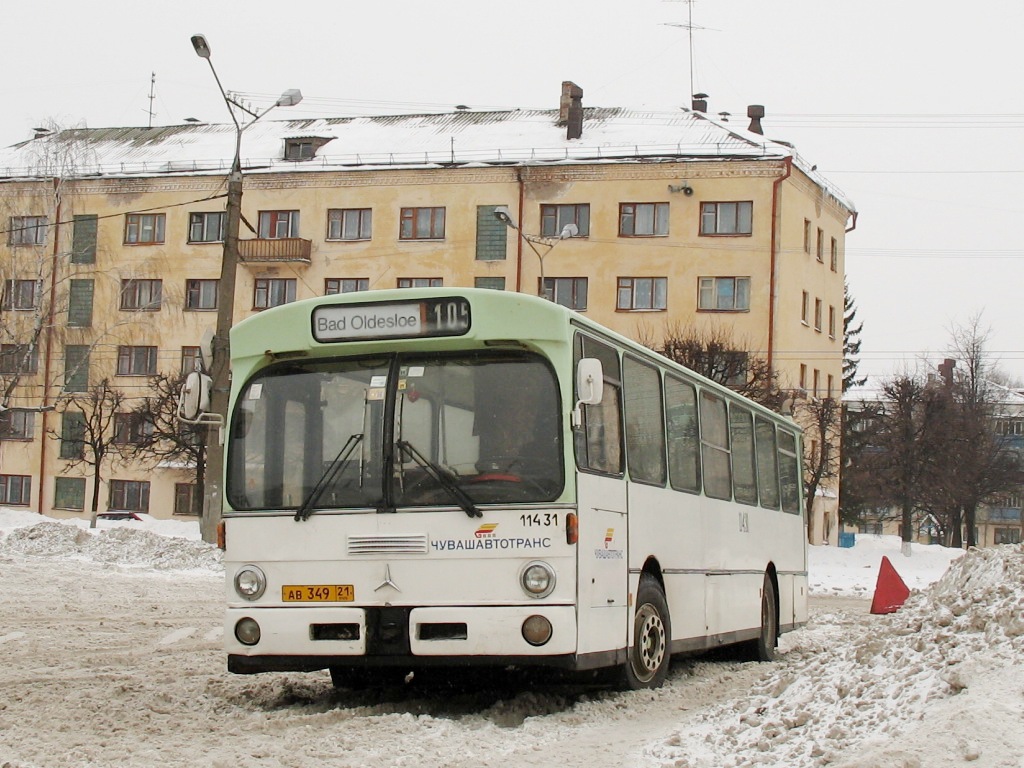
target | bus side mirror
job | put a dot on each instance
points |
(194, 400)
(589, 386)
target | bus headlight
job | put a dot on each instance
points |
(536, 630)
(537, 579)
(247, 631)
(250, 582)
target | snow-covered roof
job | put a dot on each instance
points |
(462, 138)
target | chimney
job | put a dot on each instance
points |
(570, 109)
(755, 112)
(699, 102)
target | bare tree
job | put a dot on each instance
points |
(91, 417)
(822, 426)
(168, 439)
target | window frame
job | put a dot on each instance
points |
(714, 222)
(411, 222)
(270, 224)
(22, 497)
(418, 282)
(131, 428)
(14, 354)
(627, 286)
(712, 283)
(554, 217)
(27, 230)
(340, 216)
(629, 216)
(200, 220)
(145, 228)
(361, 284)
(554, 288)
(14, 290)
(195, 288)
(124, 490)
(17, 424)
(264, 292)
(130, 357)
(141, 294)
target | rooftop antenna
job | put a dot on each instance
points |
(152, 95)
(689, 26)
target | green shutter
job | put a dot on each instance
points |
(72, 431)
(83, 240)
(76, 368)
(69, 493)
(491, 234)
(80, 304)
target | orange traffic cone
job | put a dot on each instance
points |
(890, 591)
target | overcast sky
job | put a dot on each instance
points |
(912, 108)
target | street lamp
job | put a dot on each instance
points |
(221, 345)
(501, 213)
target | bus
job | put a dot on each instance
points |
(439, 477)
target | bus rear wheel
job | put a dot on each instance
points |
(649, 654)
(763, 648)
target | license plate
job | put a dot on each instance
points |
(318, 593)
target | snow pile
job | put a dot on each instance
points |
(134, 544)
(859, 695)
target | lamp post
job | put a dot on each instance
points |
(501, 213)
(221, 345)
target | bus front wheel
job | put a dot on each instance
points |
(649, 653)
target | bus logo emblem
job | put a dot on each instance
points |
(387, 581)
(487, 529)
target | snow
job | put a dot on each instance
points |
(112, 646)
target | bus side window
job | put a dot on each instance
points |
(645, 422)
(598, 442)
(683, 435)
(789, 473)
(741, 431)
(714, 437)
(767, 463)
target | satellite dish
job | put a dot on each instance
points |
(569, 230)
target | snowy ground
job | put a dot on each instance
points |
(111, 641)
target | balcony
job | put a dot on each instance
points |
(290, 249)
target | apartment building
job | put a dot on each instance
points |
(644, 221)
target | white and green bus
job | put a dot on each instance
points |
(449, 477)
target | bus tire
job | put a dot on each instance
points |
(649, 654)
(763, 649)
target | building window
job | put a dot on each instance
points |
(191, 359)
(141, 295)
(1010, 426)
(207, 227)
(136, 361)
(1006, 536)
(19, 359)
(643, 219)
(642, 293)
(80, 296)
(555, 218)
(834, 256)
(183, 495)
(422, 224)
(69, 493)
(303, 148)
(131, 429)
(491, 283)
(803, 376)
(275, 225)
(273, 292)
(817, 315)
(491, 234)
(420, 282)
(805, 308)
(820, 248)
(144, 228)
(21, 294)
(831, 321)
(831, 386)
(349, 223)
(727, 218)
(16, 425)
(724, 294)
(807, 236)
(129, 495)
(816, 381)
(27, 230)
(201, 294)
(570, 292)
(72, 435)
(83, 238)
(334, 285)
(16, 490)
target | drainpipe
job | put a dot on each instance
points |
(776, 186)
(48, 358)
(519, 239)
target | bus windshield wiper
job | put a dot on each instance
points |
(306, 508)
(443, 478)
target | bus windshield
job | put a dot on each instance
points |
(397, 432)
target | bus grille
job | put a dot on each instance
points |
(411, 544)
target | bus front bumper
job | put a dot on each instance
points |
(313, 637)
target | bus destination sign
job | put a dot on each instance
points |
(447, 316)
